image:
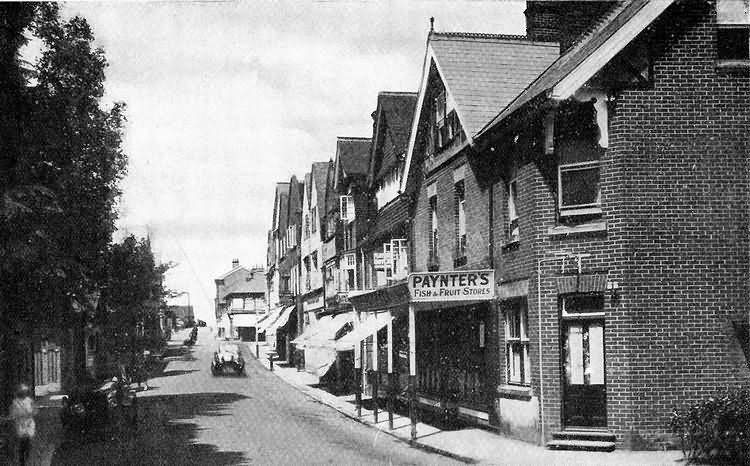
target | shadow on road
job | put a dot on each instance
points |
(164, 437)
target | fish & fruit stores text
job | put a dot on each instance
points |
(452, 286)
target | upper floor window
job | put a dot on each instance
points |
(346, 206)
(307, 226)
(399, 259)
(460, 208)
(349, 238)
(433, 238)
(513, 230)
(446, 127)
(579, 150)
(315, 261)
(348, 268)
(388, 187)
(733, 33)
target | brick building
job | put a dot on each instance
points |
(609, 196)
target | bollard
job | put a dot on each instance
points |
(270, 363)
(257, 351)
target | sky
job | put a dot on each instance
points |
(225, 98)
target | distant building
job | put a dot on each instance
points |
(181, 316)
(240, 301)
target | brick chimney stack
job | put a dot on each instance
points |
(235, 263)
(563, 21)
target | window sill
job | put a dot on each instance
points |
(517, 392)
(511, 244)
(564, 230)
(733, 64)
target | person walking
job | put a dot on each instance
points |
(22, 412)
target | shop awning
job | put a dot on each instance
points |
(268, 319)
(244, 320)
(282, 320)
(364, 330)
(326, 335)
(310, 331)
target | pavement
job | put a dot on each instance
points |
(469, 445)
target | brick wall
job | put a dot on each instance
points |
(563, 21)
(674, 185)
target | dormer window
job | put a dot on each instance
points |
(733, 33)
(346, 206)
(446, 127)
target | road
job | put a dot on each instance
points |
(191, 418)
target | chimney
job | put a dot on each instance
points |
(563, 21)
(235, 263)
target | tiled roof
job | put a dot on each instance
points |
(485, 72)
(282, 193)
(308, 186)
(241, 281)
(395, 111)
(354, 155)
(320, 175)
(565, 64)
(332, 197)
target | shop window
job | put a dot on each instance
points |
(460, 195)
(513, 230)
(733, 33)
(517, 344)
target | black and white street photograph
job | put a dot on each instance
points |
(375, 232)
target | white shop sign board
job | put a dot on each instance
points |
(463, 285)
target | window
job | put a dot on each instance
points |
(399, 258)
(517, 343)
(237, 303)
(733, 33)
(349, 240)
(433, 231)
(346, 206)
(513, 230)
(460, 195)
(307, 273)
(315, 261)
(579, 188)
(307, 226)
(349, 265)
(388, 259)
(314, 219)
(441, 127)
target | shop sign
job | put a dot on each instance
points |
(378, 259)
(469, 285)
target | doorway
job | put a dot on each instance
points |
(583, 361)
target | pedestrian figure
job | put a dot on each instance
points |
(21, 412)
(141, 371)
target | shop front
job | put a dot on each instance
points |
(435, 347)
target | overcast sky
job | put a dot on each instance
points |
(226, 98)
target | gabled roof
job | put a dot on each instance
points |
(393, 117)
(281, 205)
(320, 178)
(308, 186)
(482, 73)
(594, 50)
(241, 280)
(295, 202)
(352, 157)
(485, 72)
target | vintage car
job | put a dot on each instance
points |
(91, 406)
(228, 355)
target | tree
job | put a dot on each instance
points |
(132, 299)
(60, 164)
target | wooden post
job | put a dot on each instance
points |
(413, 372)
(358, 377)
(375, 373)
(391, 381)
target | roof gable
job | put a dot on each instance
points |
(352, 157)
(392, 124)
(483, 73)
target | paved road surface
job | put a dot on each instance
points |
(192, 418)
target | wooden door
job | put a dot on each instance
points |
(584, 385)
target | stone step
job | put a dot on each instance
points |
(581, 445)
(584, 434)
